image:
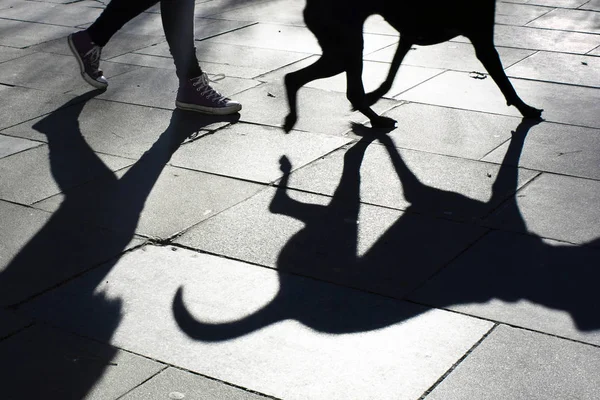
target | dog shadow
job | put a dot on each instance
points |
(404, 259)
(82, 234)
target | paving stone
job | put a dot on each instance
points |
(348, 244)
(448, 55)
(252, 152)
(21, 104)
(31, 176)
(52, 72)
(166, 204)
(557, 67)
(212, 7)
(561, 103)
(23, 34)
(542, 39)
(591, 5)
(40, 250)
(374, 74)
(525, 281)
(291, 38)
(11, 322)
(234, 57)
(47, 362)
(518, 14)
(553, 3)
(53, 14)
(595, 52)
(556, 207)
(376, 24)
(450, 131)
(319, 340)
(9, 53)
(207, 28)
(318, 111)
(10, 145)
(119, 129)
(158, 87)
(433, 184)
(560, 149)
(173, 382)
(516, 364)
(569, 20)
(121, 43)
(285, 12)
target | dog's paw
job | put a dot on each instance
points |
(530, 112)
(289, 122)
(383, 123)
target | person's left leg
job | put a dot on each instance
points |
(195, 92)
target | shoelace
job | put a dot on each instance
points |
(202, 84)
(94, 57)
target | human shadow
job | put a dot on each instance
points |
(83, 233)
(404, 258)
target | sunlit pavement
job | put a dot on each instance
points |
(147, 253)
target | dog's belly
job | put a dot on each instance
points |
(430, 37)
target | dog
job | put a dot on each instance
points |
(338, 24)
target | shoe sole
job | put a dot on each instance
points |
(84, 75)
(208, 110)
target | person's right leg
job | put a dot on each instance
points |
(87, 45)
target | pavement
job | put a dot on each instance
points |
(147, 253)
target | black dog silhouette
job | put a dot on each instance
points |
(338, 26)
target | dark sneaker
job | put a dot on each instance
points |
(197, 95)
(87, 54)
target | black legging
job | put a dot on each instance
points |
(178, 25)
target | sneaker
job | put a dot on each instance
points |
(197, 95)
(87, 54)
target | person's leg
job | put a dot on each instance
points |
(195, 92)
(87, 45)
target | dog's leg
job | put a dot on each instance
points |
(326, 66)
(355, 89)
(487, 54)
(403, 48)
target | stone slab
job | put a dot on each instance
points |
(557, 67)
(173, 383)
(284, 12)
(336, 240)
(561, 103)
(318, 110)
(53, 72)
(448, 55)
(21, 104)
(212, 7)
(231, 55)
(163, 200)
(23, 34)
(158, 87)
(561, 149)
(569, 20)
(522, 280)
(252, 152)
(374, 73)
(9, 53)
(542, 39)
(119, 129)
(449, 131)
(291, 38)
(447, 187)
(518, 14)
(322, 342)
(593, 5)
(46, 362)
(556, 207)
(52, 14)
(595, 52)
(10, 145)
(517, 364)
(553, 3)
(40, 250)
(121, 43)
(37, 173)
